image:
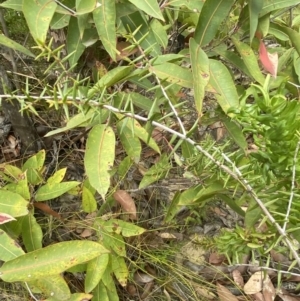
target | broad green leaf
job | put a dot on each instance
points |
(272, 5)
(32, 233)
(33, 166)
(110, 285)
(253, 214)
(59, 21)
(110, 78)
(173, 208)
(114, 242)
(234, 59)
(105, 20)
(211, 17)
(144, 35)
(89, 203)
(82, 21)
(78, 120)
(285, 58)
(264, 25)
(9, 248)
(95, 270)
(143, 102)
(14, 45)
(74, 297)
(13, 4)
(255, 6)
(276, 30)
(249, 59)
(160, 33)
(51, 260)
(161, 59)
(85, 6)
(235, 132)
(52, 191)
(100, 293)
(200, 71)
(57, 177)
(189, 196)
(120, 269)
(150, 7)
(174, 74)
(156, 172)
(221, 81)
(13, 172)
(12, 203)
(232, 204)
(21, 187)
(54, 286)
(130, 141)
(38, 15)
(99, 157)
(293, 35)
(74, 43)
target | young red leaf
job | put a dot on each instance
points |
(5, 218)
(268, 60)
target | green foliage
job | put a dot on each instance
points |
(255, 109)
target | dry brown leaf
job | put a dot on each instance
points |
(125, 53)
(166, 235)
(141, 277)
(46, 208)
(238, 278)
(225, 294)
(255, 283)
(126, 201)
(285, 296)
(278, 257)
(268, 289)
(216, 259)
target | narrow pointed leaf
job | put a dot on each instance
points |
(14, 45)
(38, 15)
(32, 233)
(160, 33)
(211, 17)
(150, 7)
(99, 157)
(105, 21)
(221, 81)
(272, 5)
(173, 73)
(100, 293)
(249, 59)
(51, 260)
(85, 6)
(12, 203)
(13, 4)
(200, 71)
(57, 177)
(89, 203)
(52, 191)
(145, 34)
(9, 248)
(120, 269)
(255, 6)
(95, 269)
(74, 43)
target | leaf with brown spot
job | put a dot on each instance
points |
(126, 202)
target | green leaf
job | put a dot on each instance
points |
(293, 35)
(52, 191)
(59, 21)
(110, 286)
(249, 59)
(57, 177)
(200, 71)
(160, 33)
(74, 43)
(272, 5)
(13, 4)
(32, 233)
(51, 260)
(235, 132)
(99, 157)
(255, 6)
(33, 166)
(221, 81)
(38, 15)
(173, 208)
(12, 203)
(110, 78)
(232, 204)
(150, 7)
(9, 248)
(54, 286)
(105, 20)
(14, 45)
(95, 270)
(144, 35)
(120, 269)
(20, 187)
(100, 293)
(85, 6)
(89, 203)
(174, 74)
(113, 242)
(211, 17)
(143, 102)
(130, 141)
